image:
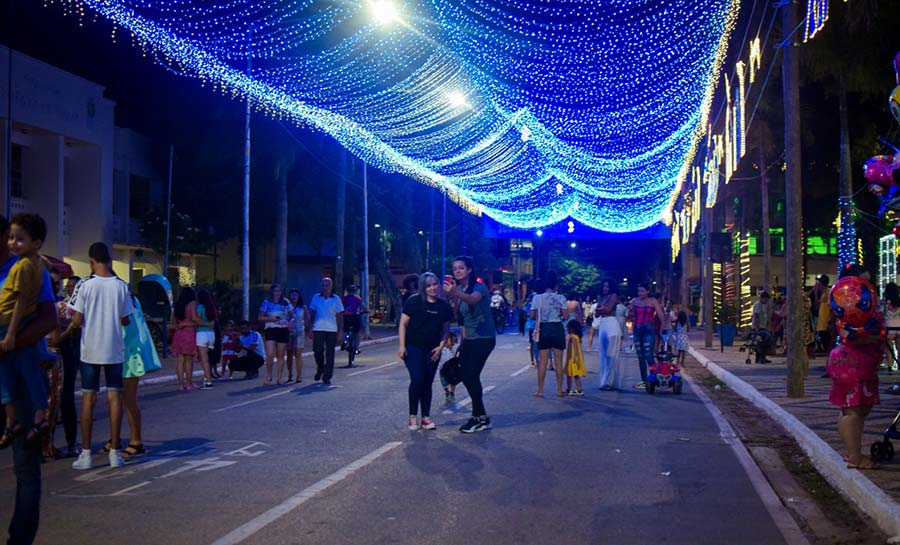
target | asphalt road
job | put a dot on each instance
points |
(308, 464)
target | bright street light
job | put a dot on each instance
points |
(572, 245)
(539, 233)
(457, 99)
(378, 226)
(384, 12)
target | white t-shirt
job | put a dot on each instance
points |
(103, 301)
(253, 338)
(326, 312)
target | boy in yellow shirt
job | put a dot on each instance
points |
(18, 301)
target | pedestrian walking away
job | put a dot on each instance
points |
(550, 311)
(479, 335)
(102, 306)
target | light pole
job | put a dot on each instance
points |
(365, 275)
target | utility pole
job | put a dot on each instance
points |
(444, 241)
(365, 274)
(793, 189)
(168, 213)
(341, 213)
(245, 246)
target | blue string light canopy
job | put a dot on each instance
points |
(530, 111)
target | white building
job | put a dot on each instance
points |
(90, 180)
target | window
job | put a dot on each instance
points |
(138, 197)
(16, 186)
(120, 193)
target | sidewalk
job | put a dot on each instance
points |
(379, 335)
(813, 423)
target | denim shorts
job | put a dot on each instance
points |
(90, 377)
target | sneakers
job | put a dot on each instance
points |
(427, 424)
(412, 425)
(115, 459)
(576, 393)
(640, 386)
(480, 423)
(449, 397)
(318, 376)
(83, 461)
(207, 385)
(326, 382)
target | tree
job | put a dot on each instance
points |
(184, 236)
(578, 278)
(793, 187)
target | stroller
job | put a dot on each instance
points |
(664, 373)
(756, 344)
(884, 450)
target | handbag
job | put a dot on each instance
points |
(451, 371)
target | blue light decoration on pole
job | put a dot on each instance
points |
(846, 228)
(530, 112)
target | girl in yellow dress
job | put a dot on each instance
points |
(575, 367)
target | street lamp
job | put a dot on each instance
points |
(384, 12)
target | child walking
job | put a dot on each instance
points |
(18, 302)
(680, 336)
(448, 351)
(575, 368)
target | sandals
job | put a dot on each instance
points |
(38, 430)
(133, 450)
(108, 446)
(865, 463)
(10, 434)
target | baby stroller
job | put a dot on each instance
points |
(664, 373)
(884, 450)
(756, 344)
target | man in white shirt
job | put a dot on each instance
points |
(327, 317)
(101, 305)
(252, 353)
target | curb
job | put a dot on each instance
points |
(776, 508)
(872, 500)
(165, 379)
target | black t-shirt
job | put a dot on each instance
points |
(426, 322)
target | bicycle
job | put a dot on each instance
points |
(352, 324)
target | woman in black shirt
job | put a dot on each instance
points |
(424, 324)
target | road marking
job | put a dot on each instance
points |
(255, 525)
(130, 488)
(779, 513)
(374, 368)
(522, 370)
(460, 404)
(257, 400)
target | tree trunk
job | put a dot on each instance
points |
(793, 188)
(707, 278)
(766, 237)
(386, 279)
(847, 234)
(282, 232)
(339, 235)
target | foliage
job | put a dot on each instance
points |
(184, 237)
(578, 278)
(727, 314)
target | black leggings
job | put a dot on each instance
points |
(473, 354)
(421, 377)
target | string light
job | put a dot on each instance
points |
(816, 16)
(846, 234)
(495, 102)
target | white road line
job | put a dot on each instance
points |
(460, 404)
(252, 401)
(255, 525)
(522, 370)
(374, 368)
(130, 488)
(779, 513)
